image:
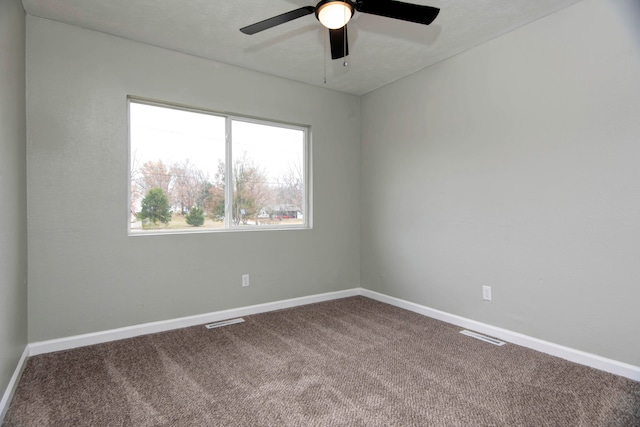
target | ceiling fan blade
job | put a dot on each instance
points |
(339, 43)
(399, 10)
(277, 20)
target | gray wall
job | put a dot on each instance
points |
(85, 273)
(13, 198)
(512, 165)
(515, 165)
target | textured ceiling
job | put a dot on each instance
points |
(382, 50)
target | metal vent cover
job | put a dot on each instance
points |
(482, 337)
(224, 323)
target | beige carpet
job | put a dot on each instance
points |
(349, 362)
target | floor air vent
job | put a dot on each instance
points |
(482, 337)
(224, 323)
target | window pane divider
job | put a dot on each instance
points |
(228, 181)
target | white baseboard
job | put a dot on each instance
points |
(573, 355)
(567, 353)
(13, 384)
(76, 341)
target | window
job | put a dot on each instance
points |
(182, 159)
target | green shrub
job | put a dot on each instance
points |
(155, 207)
(195, 217)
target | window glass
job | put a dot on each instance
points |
(181, 160)
(268, 175)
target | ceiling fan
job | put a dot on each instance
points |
(334, 15)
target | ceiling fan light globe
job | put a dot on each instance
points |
(334, 14)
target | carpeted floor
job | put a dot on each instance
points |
(348, 362)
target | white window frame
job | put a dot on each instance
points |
(228, 220)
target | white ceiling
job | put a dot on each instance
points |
(382, 50)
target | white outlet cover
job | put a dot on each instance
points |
(486, 293)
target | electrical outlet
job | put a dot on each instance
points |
(486, 293)
(245, 280)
